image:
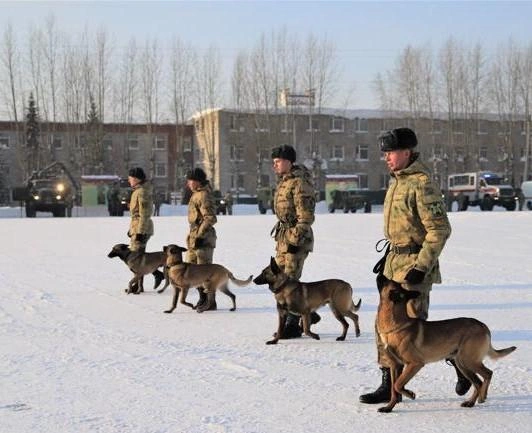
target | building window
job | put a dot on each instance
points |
(133, 141)
(56, 141)
(361, 124)
(187, 144)
(362, 180)
(482, 128)
(385, 180)
(459, 154)
(436, 126)
(237, 181)
(337, 152)
(337, 124)
(286, 124)
(362, 152)
(483, 153)
(160, 169)
(108, 143)
(235, 152)
(159, 142)
(4, 141)
(313, 124)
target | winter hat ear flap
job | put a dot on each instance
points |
(284, 152)
(137, 173)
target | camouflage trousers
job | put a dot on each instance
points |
(416, 308)
(292, 264)
(200, 256)
(137, 246)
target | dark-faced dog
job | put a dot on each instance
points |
(415, 342)
(141, 264)
(184, 275)
(302, 299)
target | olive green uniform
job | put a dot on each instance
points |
(294, 204)
(201, 218)
(416, 224)
(140, 208)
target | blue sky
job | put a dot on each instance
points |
(368, 35)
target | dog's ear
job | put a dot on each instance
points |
(274, 266)
(165, 248)
(182, 249)
(381, 281)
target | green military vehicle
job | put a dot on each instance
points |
(118, 197)
(349, 201)
(51, 189)
(265, 198)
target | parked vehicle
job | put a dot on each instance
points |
(526, 188)
(265, 196)
(51, 189)
(343, 192)
(118, 197)
(221, 204)
(483, 188)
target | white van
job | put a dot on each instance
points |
(526, 187)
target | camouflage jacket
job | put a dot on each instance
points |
(415, 216)
(141, 208)
(202, 217)
(294, 204)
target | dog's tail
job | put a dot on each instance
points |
(499, 353)
(238, 282)
(357, 306)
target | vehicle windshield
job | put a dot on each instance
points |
(494, 180)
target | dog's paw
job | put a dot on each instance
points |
(167, 311)
(340, 338)
(315, 336)
(272, 342)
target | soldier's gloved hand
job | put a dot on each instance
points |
(141, 237)
(199, 243)
(128, 234)
(415, 276)
(292, 249)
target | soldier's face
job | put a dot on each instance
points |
(281, 166)
(133, 181)
(193, 185)
(397, 159)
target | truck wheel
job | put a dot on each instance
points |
(262, 210)
(331, 208)
(486, 203)
(59, 212)
(529, 205)
(367, 207)
(463, 202)
(30, 211)
(511, 206)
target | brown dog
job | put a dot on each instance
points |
(302, 299)
(183, 276)
(415, 342)
(141, 264)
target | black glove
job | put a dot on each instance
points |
(128, 234)
(141, 237)
(199, 243)
(415, 276)
(292, 249)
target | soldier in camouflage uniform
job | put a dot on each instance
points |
(416, 225)
(201, 239)
(293, 204)
(140, 209)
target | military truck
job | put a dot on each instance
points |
(343, 192)
(349, 201)
(118, 197)
(265, 196)
(51, 189)
(482, 188)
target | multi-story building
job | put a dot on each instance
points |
(164, 151)
(234, 146)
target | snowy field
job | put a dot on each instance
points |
(79, 355)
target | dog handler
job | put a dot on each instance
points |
(416, 225)
(140, 208)
(294, 203)
(201, 239)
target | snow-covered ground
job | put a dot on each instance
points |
(79, 355)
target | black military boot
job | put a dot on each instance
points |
(208, 305)
(383, 393)
(462, 384)
(292, 329)
(159, 277)
(202, 298)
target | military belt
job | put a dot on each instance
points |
(405, 249)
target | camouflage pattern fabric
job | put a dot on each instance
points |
(202, 217)
(140, 209)
(415, 215)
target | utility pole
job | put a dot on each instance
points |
(527, 148)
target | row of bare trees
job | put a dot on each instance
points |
(463, 82)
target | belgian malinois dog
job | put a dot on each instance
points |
(141, 264)
(211, 277)
(412, 343)
(302, 299)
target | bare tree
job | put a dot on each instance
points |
(10, 63)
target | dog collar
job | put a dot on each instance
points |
(280, 286)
